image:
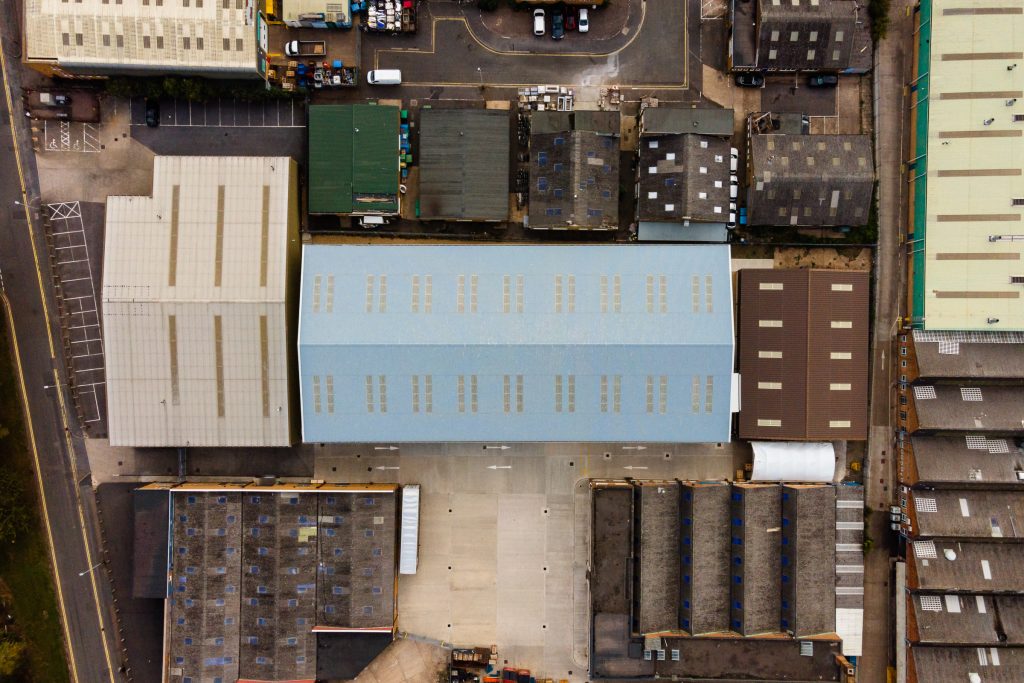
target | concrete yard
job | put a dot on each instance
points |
(504, 552)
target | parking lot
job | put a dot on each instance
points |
(80, 318)
(69, 136)
(223, 113)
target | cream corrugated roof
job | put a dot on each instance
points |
(200, 36)
(195, 293)
(974, 169)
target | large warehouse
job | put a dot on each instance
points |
(516, 343)
(197, 281)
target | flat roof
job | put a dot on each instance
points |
(699, 120)
(810, 180)
(943, 407)
(574, 170)
(353, 159)
(735, 659)
(518, 343)
(978, 566)
(196, 289)
(337, 11)
(256, 573)
(464, 156)
(969, 355)
(968, 514)
(95, 36)
(952, 619)
(706, 557)
(658, 535)
(803, 354)
(972, 459)
(955, 664)
(970, 173)
(683, 177)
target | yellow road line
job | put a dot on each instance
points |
(63, 409)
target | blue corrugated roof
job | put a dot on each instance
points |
(367, 341)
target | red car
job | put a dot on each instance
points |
(570, 19)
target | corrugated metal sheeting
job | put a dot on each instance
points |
(803, 354)
(516, 343)
(410, 538)
(195, 289)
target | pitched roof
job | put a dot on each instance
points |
(353, 159)
(756, 542)
(803, 354)
(976, 566)
(472, 343)
(943, 407)
(824, 32)
(969, 355)
(658, 532)
(810, 180)
(955, 664)
(967, 514)
(464, 164)
(683, 177)
(706, 525)
(809, 559)
(967, 460)
(952, 619)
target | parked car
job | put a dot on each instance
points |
(570, 19)
(750, 80)
(584, 23)
(557, 26)
(152, 113)
(538, 22)
(731, 225)
(734, 159)
(734, 187)
(822, 81)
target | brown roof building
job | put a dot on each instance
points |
(803, 354)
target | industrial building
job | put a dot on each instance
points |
(353, 160)
(96, 37)
(574, 170)
(965, 168)
(803, 358)
(516, 343)
(683, 174)
(809, 180)
(199, 303)
(751, 574)
(464, 160)
(266, 582)
(316, 13)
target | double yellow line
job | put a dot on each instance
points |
(63, 412)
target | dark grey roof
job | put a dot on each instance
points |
(952, 619)
(954, 664)
(341, 656)
(971, 460)
(611, 549)
(464, 164)
(806, 35)
(757, 544)
(574, 172)
(699, 120)
(978, 566)
(809, 559)
(969, 355)
(149, 550)
(683, 177)
(967, 514)
(706, 524)
(253, 571)
(849, 578)
(810, 180)
(658, 599)
(954, 408)
(684, 231)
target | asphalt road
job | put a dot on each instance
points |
(70, 518)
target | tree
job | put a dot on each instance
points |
(15, 518)
(12, 660)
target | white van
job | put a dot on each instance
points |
(384, 77)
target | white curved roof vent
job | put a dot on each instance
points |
(974, 678)
(949, 554)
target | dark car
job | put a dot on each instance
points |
(152, 113)
(557, 26)
(822, 81)
(570, 19)
(750, 80)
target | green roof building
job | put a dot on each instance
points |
(353, 159)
